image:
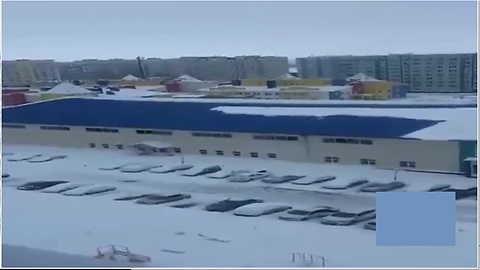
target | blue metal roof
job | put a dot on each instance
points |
(199, 117)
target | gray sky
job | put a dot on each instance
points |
(77, 30)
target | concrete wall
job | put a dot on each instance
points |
(387, 153)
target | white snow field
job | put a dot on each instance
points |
(193, 237)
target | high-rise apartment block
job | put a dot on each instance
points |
(428, 72)
(28, 72)
(204, 68)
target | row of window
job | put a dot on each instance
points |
(121, 146)
(153, 132)
(344, 140)
(366, 161)
(214, 135)
(237, 153)
(104, 130)
(272, 137)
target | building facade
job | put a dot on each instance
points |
(28, 72)
(218, 68)
(201, 128)
(422, 73)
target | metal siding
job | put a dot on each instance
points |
(199, 116)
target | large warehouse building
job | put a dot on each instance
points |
(429, 139)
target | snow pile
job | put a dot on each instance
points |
(68, 88)
(130, 78)
(187, 78)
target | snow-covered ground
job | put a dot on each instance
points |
(170, 236)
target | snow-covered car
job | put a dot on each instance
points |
(345, 218)
(158, 199)
(39, 185)
(225, 174)
(438, 187)
(372, 225)
(382, 187)
(281, 179)
(182, 167)
(89, 190)
(117, 167)
(352, 184)
(136, 168)
(17, 159)
(228, 205)
(310, 181)
(63, 187)
(204, 171)
(260, 209)
(132, 197)
(248, 177)
(462, 193)
(301, 214)
(46, 159)
(5, 175)
(184, 205)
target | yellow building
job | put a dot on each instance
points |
(380, 90)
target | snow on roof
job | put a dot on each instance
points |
(130, 78)
(68, 88)
(362, 77)
(287, 76)
(456, 123)
(192, 230)
(187, 78)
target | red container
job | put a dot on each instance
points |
(357, 88)
(13, 99)
(173, 87)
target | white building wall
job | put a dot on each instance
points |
(427, 155)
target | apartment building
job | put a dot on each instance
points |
(426, 72)
(28, 72)
(205, 68)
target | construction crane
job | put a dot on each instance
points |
(140, 66)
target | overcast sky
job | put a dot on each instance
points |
(78, 30)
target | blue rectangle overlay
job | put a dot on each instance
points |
(415, 218)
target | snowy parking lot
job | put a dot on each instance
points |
(176, 241)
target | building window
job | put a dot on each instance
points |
(105, 130)
(332, 159)
(253, 154)
(370, 142)
(271, 155)
(177, 150)
(13, 126)
(203, 152)
(408, 164)
(352, 141)
(328, 140)
(275, 137)
(105, 145)
(214, 135)
(236, 153)
(365, 161)
(119, 146)
(92, 145)
(153, 132)
(339, 140)
(54, 128)
(219, 153)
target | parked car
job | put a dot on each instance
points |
(23, 158)
(438, 187)
(260, 209)
(132, 197)
(225, 174)
(281, 179)
(228, 205)
(46, 159)
(345, 218)
(241, 178)
(158, 199)
(89, 190)
(310, 181)
(372, 225)
(5, 175)
(117, 167)
(298, 214)
(185, 205)
(381, 187)
(204, 171)
(39, 185)
(354, 183)
(63, 187)
(462, 193)
(136, 168)
(182, 167)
